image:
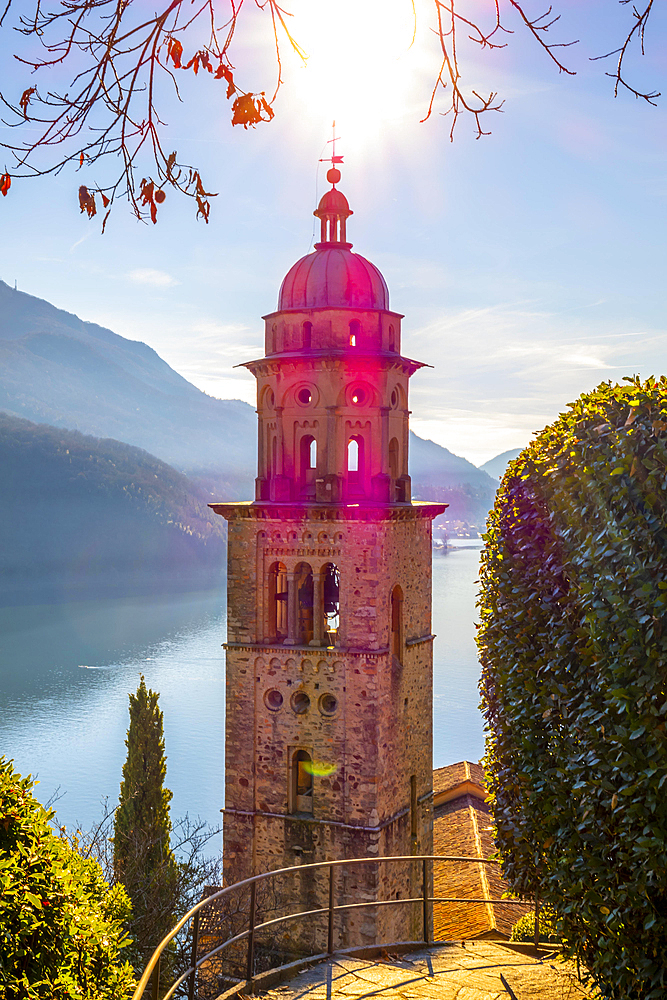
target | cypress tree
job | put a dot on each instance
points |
(143, 860)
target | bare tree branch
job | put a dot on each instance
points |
(635, 33)
(121, 61)
(110, 107)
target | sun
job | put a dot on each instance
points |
(363, 61)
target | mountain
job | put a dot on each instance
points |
(60, 370)
(81, 514)
(496, 466)
(437, 474)
(57, 369)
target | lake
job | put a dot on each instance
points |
(66, 670)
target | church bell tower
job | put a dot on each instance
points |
(329, 648)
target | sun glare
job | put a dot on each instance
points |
(362, 64)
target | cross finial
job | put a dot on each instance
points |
(333, 174)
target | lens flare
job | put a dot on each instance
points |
(319, 769)
(362, 65)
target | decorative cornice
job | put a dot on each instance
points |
(305, 818)
(333, 652)
(265, 510)
(306, 310)
(331, 360)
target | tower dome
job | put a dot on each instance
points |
(333, 276)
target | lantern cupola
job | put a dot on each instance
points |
(333, 212)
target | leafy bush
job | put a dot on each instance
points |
(61, 926)
(524, 928)
(574, 655)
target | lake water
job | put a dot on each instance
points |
(66, 670)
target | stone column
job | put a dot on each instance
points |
(291, 609)
(279, 434)
(318, 612)
(384, 436)
(330, 457)
(261, 445)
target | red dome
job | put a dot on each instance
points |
(333, 277)
(334, 202)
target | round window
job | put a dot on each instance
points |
(358, 397)
(394, 399)
(273, 699)
(270, 399)
(300, 702)
(328, 704)
(304, 396)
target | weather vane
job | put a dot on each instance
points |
(333, 174)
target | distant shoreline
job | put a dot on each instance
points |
(65, 589)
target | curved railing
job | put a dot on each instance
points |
(151, 973)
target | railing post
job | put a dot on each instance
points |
(331, 911)
(425, 898)
(193, 956)
(251, 937)
(536, 937)
(155, 982)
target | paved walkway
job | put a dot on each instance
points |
(469, 971)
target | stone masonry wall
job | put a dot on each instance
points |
(367, 750)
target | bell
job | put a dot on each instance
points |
(331, 591)
(306, 592)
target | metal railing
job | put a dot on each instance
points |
(151, 974)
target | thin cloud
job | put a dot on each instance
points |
(150, 276)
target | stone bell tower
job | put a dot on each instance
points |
(329, 651)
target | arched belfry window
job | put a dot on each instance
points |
(277, 602)
(392, 339)
(307, 335)
(302, 782)
(355, 464)
(353, 455)
(396, 638)
(355, 333)
(331, 603)
(308, 464)
(303, 581)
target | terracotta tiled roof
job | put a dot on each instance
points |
(447, 778)
(462, 827)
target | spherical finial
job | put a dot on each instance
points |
(333, 175)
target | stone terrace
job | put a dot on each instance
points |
(456, 971)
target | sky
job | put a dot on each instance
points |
(529, 264)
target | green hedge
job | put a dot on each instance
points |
(524, 928)
(61, 926)
(573, 643)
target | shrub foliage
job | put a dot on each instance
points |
(61, 926)
(573, 642)
(524, 928)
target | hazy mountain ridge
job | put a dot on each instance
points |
(496, 466)
(57, 369)
(79, 511)
(439, 475)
